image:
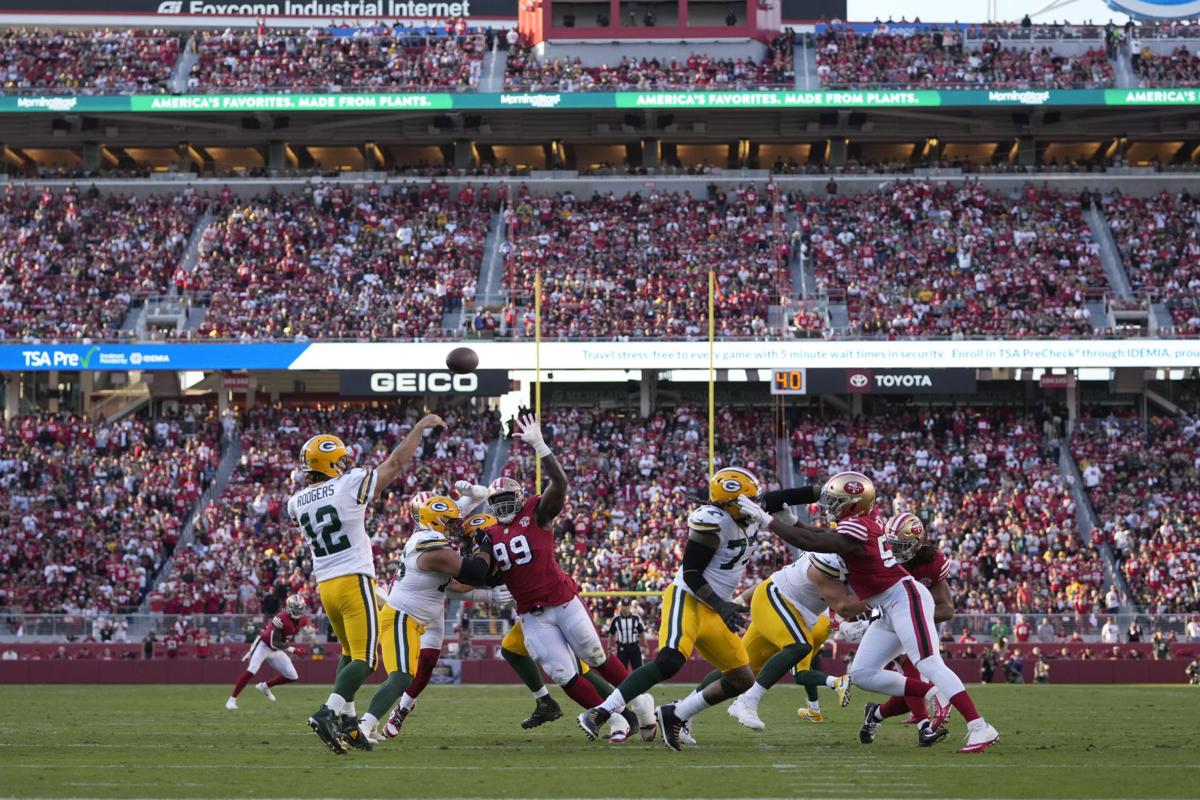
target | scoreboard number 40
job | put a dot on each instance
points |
(789, 381)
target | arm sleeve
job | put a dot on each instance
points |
(696, 558)
(798, 496)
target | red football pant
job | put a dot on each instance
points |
(426, 661)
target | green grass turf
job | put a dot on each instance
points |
(464, 741)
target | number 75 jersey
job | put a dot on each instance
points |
(332, 516)
(728, 566)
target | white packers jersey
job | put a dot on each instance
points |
(728, 566)
(332, 515)
(418, 592)
(422, 593)
(800, 590)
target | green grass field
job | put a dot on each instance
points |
(464, 742)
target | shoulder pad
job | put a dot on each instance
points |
(424, 539)
(707, 518)
(829, 564)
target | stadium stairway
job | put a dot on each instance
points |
(492, 265)
(804, 60)
(1086, 520)
(1160, 318)
(491, 75)
(804, 280)
(497, 456)
(1110, 256)
(839, 317)
(1123, 77)
(188, 56)
(231, 451)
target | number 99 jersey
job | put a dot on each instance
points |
(332, 516)
(524, 558)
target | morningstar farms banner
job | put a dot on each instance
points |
(474, 101)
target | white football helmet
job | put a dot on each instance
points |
(506, 498)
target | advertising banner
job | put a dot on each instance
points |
(891, 381)
(447, 671)
(122, 357)
(486, 382)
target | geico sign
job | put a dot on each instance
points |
(423, 382)
(902, 381)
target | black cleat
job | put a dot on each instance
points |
(322, 724)
(352, 735)
(866, 734)
(670, 725)
(927, 735)
(546, 710)
(591, 720)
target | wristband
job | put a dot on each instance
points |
(542, 449)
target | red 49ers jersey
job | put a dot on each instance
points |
(524, 555)
(931, 572)
(878, 570)
(287, 627)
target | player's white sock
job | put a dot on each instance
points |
(407, 702)
(614, 702)
(368, 722)
(814, 705)
(691, 705)
(976, 724)
(754, 693)
(831, 682)
(542, 692)
(348, 709)
(335, 703)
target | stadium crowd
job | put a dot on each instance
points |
(917, 258)
(1142, 482)
(393, 259)
(82, 61)
(940, 59)
(71, 262)
(638, 265)
(776, 70)
(324, 59)
(1180, 68)
(91, 510)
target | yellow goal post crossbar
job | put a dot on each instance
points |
(621, 594)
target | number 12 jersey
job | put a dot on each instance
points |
(332, 516)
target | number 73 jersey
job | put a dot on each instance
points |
(332, 516)
(728, 566)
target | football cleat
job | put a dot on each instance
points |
(927, 735)
(941, 711)
(911, 719)
(322, 725)
(981, 738)
(262, 687)
(620, 726)
(746, 713)
(376, 737)
(352, 735)
(685, 734)
(231, 704)
(591, 720)
(670, 725)
(546, 710)
(643, 707)
(809, 714)
(842, 687)
(391, 728)
(866, 734)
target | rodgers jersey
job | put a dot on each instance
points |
(728, 566)
(800, 590)
(332, 515)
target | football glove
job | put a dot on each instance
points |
(529, 430)
(501, 596)
(470, 490)
(753, 510)
(731, 615)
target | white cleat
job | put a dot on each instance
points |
(747, 714)
(618, 729)
(231, 704)
(262, 687)
(685, 734)
(643, 707)
(980, 738)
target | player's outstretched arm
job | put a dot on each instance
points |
(389, 470)
(805, 537)
(529, 430)
(697, 554)
(471, 570)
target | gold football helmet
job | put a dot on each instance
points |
(479, 522)
(326, 454)
(846, 494)
(505, 499)
(414, 505)
(904, 533)
(728, 484)
(439, 513)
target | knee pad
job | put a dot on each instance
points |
(669, 661)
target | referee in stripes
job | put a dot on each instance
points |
(629, 632)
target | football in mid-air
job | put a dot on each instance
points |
(462, 360)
